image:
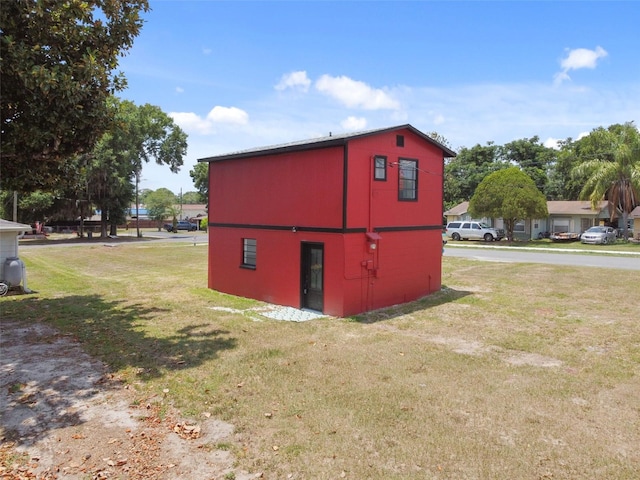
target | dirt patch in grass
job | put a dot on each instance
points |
(65, 416)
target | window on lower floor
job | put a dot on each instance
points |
(407, 180)
(249, 252)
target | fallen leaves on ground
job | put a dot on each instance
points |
(136, 454)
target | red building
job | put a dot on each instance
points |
(341, 224)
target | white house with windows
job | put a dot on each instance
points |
(461, 213)
(564, 216)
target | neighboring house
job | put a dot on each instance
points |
(191, 211)
(564, 216)
(571, 216)
(461, 213)
(186, 211)
(634, 222)
(9, 234)
(458, 213)
(142, 212)
(340, 224)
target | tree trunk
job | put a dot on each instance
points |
(104, 219)
(625, 225)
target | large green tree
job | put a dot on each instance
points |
(191, 198)
(158, 204)
(532, 157)
(614, 171)
(561, 184)
(35, 206)
(140, 134)
(509, 194)
(58, 67)
(200, 176)
(463, 173)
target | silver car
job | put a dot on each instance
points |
(599, 235)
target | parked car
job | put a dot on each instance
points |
(181, 225)
(473, 230)
(599, 235)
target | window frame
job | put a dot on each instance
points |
(249, 253)
(402, 166)
(382, 169)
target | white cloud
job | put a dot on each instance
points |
(354, 123)
(583, 134)
(192, 122)
(228, 115)
(552, 143)
(206, 51)
(577, 59)
(179, 90)
(356, 94)
(583, 58)
(294, 80)
(473, 114)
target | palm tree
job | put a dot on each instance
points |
(614, 176)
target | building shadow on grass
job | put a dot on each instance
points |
(113, 331)
(445, 295)
(58, 356)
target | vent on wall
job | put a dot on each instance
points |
(399, 140)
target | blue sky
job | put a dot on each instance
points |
(243, 74)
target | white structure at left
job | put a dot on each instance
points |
(12, 269)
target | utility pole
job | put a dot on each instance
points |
(137, 203)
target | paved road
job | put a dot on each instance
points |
(199, 238)
(493, 254)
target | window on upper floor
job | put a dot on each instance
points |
(407, 180)
(380, 168)
(399, 140)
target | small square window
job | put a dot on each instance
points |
(249, 252)
(380, 168)
(399, 140)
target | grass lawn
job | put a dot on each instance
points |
(511, 371)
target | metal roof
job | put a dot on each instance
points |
(322, 142)
(8, 226)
